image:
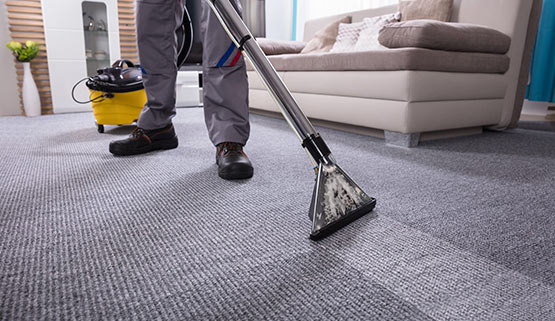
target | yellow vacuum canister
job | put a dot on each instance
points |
(120, 109)
(117, 94)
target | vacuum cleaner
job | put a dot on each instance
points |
(117, 93)
(337, 200)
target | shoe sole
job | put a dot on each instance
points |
(237, 172)
(161, 145)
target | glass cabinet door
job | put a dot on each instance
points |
(97, 49)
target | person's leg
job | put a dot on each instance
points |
(225, 85)
(226, 105)
(157, 21)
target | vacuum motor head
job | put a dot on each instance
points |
(117, 79)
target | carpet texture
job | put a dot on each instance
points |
(537, 125)
(463, 229)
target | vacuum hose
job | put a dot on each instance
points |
(91, 100)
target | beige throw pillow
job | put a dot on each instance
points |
(324, 39)
(368, 37)
(426, 9)
(362, 36)
(347, 37)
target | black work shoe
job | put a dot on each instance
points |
(143, 141)
(232, 162)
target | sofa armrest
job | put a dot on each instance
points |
(312, 26)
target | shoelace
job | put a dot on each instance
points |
(231, 147)
(138, 133)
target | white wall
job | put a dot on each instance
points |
(314, 9)
(279, 19)
(322, 8)
(8, 80)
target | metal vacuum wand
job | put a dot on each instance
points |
(337, 199)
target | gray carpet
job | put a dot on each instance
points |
(463, 230)
(537, 125)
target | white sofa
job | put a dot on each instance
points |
(407, 106)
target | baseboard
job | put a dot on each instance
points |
(379, 133)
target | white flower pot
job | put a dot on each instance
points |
(31, 99)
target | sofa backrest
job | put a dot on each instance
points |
(516, 18)
(503, 15)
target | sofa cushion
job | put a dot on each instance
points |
(324, 39)
(426, 9)
(280, 47)
(444, 36)
(394, 59)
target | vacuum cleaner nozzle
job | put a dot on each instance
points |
(336, 202)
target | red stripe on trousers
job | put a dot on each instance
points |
(235, 59)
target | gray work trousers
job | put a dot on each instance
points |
(225, 83)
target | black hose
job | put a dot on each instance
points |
(94, 100)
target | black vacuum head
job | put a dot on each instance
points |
(336, 202)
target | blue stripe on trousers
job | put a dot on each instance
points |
(226, 55)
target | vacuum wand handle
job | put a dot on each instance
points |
(243, 39)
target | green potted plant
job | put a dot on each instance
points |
(24, 53)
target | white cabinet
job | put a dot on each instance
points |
(97, 40)
(67, 44)
(188, 93)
